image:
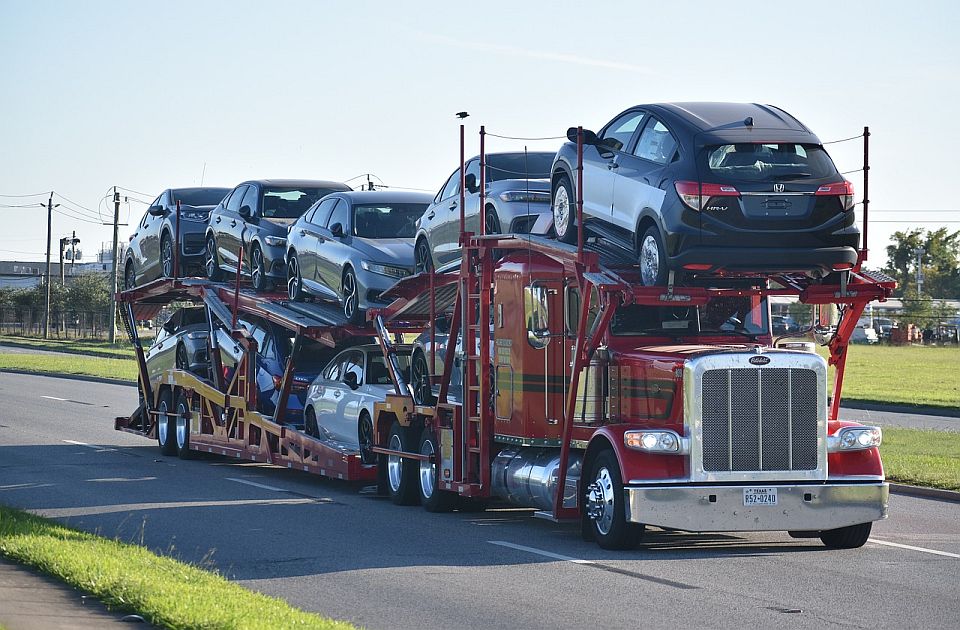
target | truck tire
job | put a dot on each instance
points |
(183, 428)
(166, 425)
(850, 537)
(432, 498)
(604, 505)
(402, 482)
(564, 208)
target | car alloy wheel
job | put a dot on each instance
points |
(166, 257)
(258, 273)
(652, 263)
(423, 260)
(420, 372)
(491, 223)
(351, 296)
(365, 436)
(563, 208)
(211, 262)
(130, 277)
(294, 281)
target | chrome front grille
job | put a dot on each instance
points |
(759, 420)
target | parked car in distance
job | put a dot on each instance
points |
(181, 343)
(703, 188)
(517, 199)
(255, 216)
(883, 326)
(339, 402)
(150, 252)
(351, 246)
(274, 345)
(864, 334)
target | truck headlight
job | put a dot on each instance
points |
(532, 196)
(854, 439)
(275, 241)
(385, 270)
(655, 441)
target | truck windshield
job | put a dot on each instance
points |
(741, 315)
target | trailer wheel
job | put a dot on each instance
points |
(402, 482)
(431, 497)
(183, 428)
(604, 505)
(847, 537)
(166, 426)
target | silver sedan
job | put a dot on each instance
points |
(349, 247)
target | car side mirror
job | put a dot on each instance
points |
(156, 211)
(337, 230)
(470, 181)
(245, 211)
(350, 378)
(589, 137)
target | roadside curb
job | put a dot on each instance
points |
(926, 493)
(27, 346)
(75, 377)
(923, 411)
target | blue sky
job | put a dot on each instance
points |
(143, 95)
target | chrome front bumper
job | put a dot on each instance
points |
(721, 509)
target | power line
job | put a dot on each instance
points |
(43, 194)
(71, 201)
(135, 192)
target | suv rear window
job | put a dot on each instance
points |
(754, 162)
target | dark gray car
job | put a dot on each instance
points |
(150, 253)
(255, 217)
(517, 200)
(351, 246)
(181, 343)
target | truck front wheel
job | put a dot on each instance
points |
(402, 482)
(847, 537)
(603, 506)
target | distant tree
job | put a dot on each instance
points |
(89, 293)
(940, 262)
(917, 309)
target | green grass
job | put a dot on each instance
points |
(123, 369)
(74, 346)
(922, 458)
(904, 375)
(130, 578)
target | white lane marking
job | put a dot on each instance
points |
(257, 485)
(539, 552)
(912, 548)
(99, 448)
(55, 398)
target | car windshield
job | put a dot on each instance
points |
(519, 166)
(290, 202)
(743, 315)
(377, 373)
(200, 196)
(752, 162)
(387, 220)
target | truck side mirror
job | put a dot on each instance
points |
(536, 314)
(824, 334)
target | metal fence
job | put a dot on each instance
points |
(66, 324)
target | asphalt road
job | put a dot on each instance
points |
(334, 548)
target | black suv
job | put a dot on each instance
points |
(705, 188)
(255, 216)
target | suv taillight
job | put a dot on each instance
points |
(692, 193)
(842, 189)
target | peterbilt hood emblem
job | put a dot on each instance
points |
(759, 360)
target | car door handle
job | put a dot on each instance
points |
(453, 206)
(218, 220)
(431, 214)
(612, 165)
(233, 223)
(303, 232)
(336, 393)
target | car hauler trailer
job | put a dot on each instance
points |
(563, 400)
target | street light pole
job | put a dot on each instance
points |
(46, 308)
(918, 252)
(113, 274)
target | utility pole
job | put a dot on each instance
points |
(113, 275)
(46, 308)
(63, 244)
(918, 252)
(73, 253)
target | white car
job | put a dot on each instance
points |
(864, 334)
(339, 404)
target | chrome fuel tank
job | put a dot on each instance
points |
(528, 476)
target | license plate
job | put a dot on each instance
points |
(759, 496)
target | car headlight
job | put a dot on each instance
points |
(197, 335)
(854, 439)
(194, 215)
(655, 441)
(385, 270)
(532, 196)
(275, 241)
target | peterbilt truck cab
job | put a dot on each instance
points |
(686, 416)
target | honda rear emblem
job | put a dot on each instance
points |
(759, 360)
(778, 188)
